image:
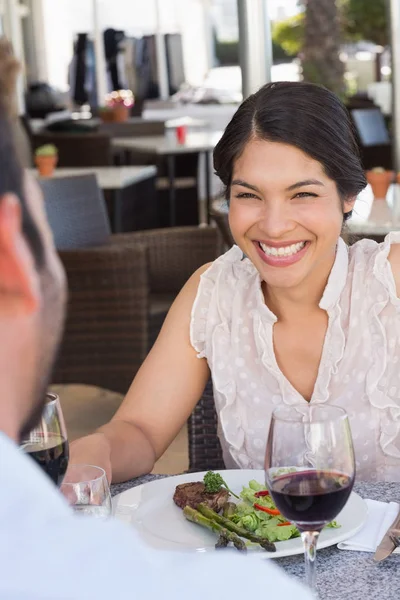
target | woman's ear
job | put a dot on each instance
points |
(348, 204)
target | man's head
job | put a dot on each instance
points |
(32, 282)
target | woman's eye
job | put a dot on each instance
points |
(246, 195)
(305, 195)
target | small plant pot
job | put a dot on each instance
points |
(121, 113)
(46, 165)
(106, 115)
(380, 182)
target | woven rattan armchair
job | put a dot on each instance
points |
(219, 213)
(205, 451)
(106, 333)
(173, 254)
(121, 286)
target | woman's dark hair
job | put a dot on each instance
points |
(301, 114)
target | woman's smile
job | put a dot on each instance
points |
(282, 254)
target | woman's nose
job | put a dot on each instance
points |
(276, 220)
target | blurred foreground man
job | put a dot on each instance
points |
(46, 551)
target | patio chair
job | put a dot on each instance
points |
(121, 286)
(220, 214)
(205, 453)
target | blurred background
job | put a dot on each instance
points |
(120, 104)
(187, 51)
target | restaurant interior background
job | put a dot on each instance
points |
(184, 66)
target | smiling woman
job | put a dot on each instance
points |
(289, 315)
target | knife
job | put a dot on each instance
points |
(389, 540)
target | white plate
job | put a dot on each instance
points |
(151, 510)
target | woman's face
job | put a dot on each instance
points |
(285, 213)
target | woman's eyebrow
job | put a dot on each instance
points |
(303, 183)
(245, 184)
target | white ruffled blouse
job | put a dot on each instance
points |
(232, 328)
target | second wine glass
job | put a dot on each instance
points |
(310, 469)
(47, 443)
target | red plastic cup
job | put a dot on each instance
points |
(181, 131)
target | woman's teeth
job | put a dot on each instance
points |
(283, 250)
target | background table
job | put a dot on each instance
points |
(342, 574)
(376, 217)
(202, 143)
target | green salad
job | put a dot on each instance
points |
(272, 526)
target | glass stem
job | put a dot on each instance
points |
(310, 539)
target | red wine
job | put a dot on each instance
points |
(311, 498)
(52, 455)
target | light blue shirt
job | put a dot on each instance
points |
(48, 553)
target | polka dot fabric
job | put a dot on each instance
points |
(233, 329)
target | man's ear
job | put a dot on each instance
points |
(19, 279)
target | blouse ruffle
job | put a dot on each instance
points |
(383, 289)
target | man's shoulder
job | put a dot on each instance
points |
(72, 557)
(80, 557)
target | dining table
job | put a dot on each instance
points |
(201, 143)
(375, 216)
(341, 574)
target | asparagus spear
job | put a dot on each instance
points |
(223, 522)
(222, 541)
(193, 515)
(228, 509)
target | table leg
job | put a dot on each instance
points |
(172, 191)
(208, 186)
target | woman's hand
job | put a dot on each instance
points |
(94, 450)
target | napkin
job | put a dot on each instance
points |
(380, 517)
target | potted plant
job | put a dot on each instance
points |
(106, 114)
(379, 180)
(46, 158)
(118, 106)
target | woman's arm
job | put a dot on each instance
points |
(163, 394)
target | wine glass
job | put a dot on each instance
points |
(309, 469)
(87, 491)
(47, 443)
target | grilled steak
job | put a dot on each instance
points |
(192, 494)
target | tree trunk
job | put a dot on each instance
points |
(320, 55)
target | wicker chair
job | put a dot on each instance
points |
(121, 286)
(106, 334)
(173, 254)
(205, 451)
(106, 331)
(219, 213)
